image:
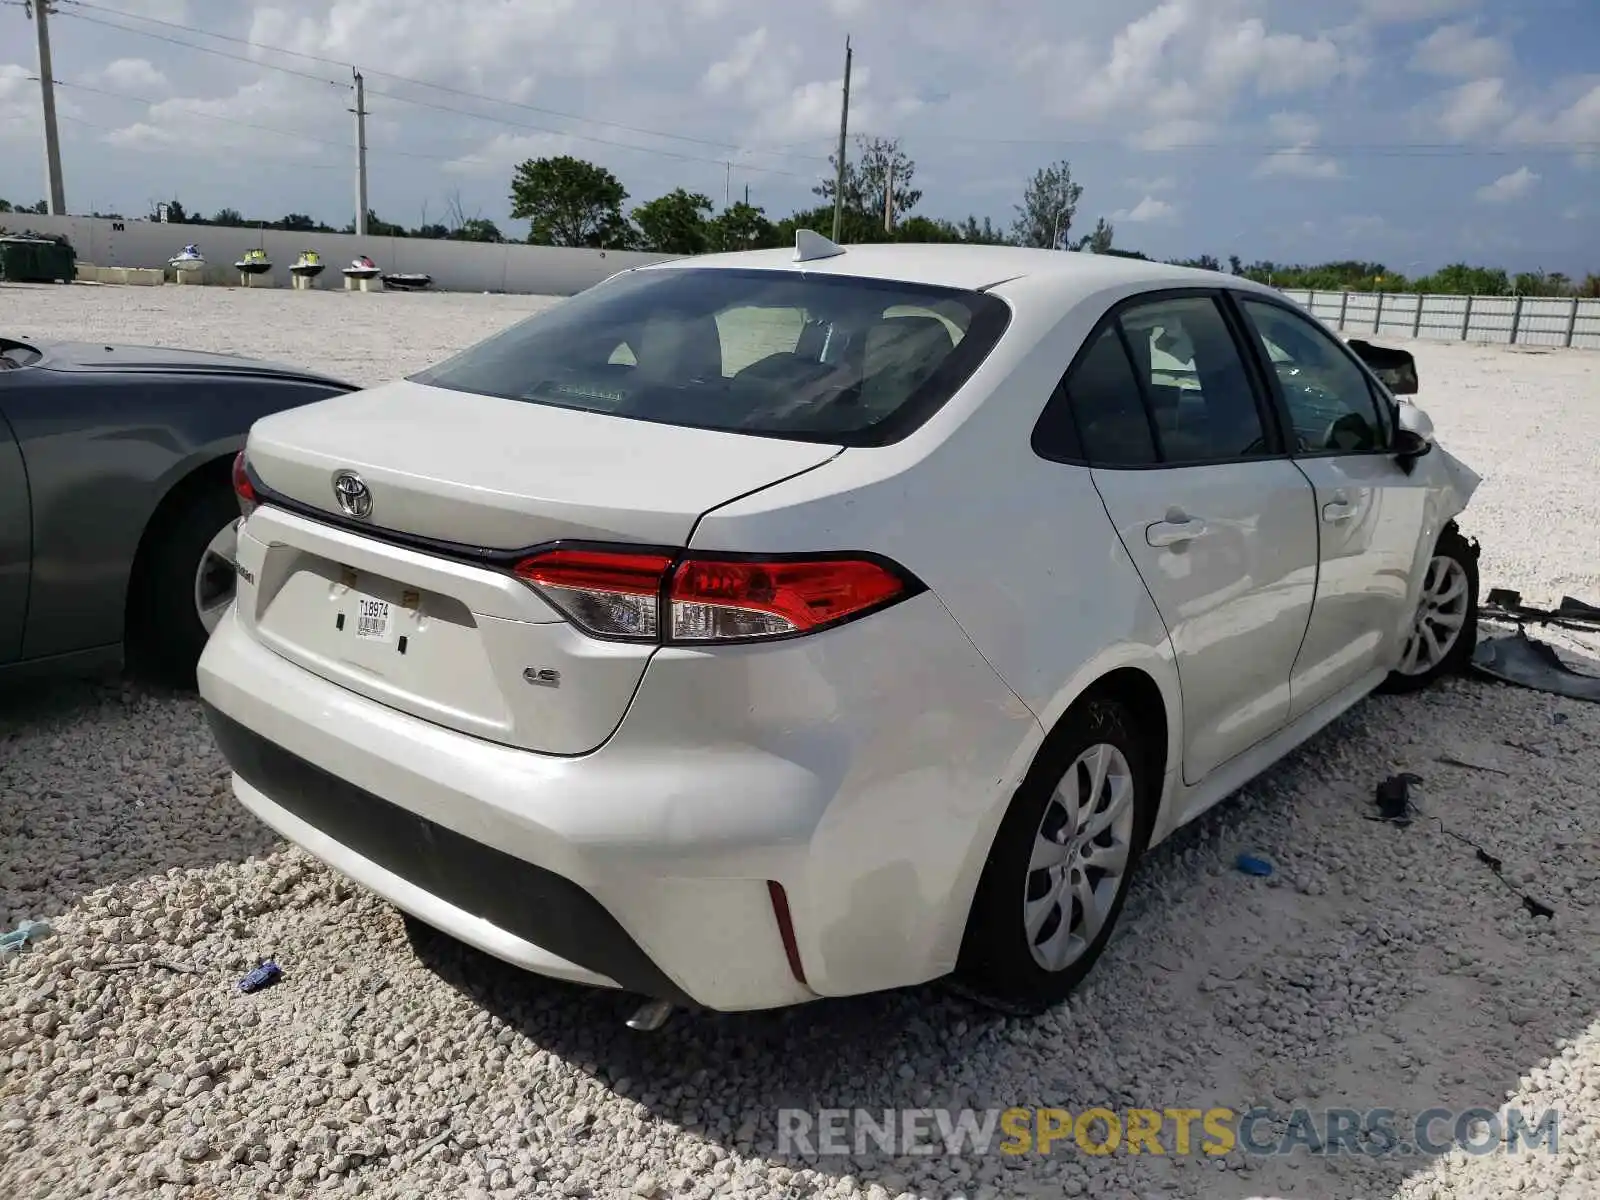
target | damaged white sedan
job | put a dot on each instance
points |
(760, 627)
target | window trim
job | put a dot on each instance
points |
(1266, 408)
(1376, 392)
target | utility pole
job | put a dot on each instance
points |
(39, 10)
(844, 133)
(888, 201)
(360, 111)
(747, 195)
(727, 185)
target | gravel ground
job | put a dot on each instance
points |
(1378, 967)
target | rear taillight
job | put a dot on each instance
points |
(698, 599)
(610, 594)
(242, 487)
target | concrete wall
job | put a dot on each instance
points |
(455, 266)
(1504, 320)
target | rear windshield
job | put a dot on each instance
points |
(858, 362)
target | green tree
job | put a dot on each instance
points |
(227, 216)
(477, 229)
(434, 232)
(1099, 240)
(743, 226)
(1049, 203)
(176, 215)
(985, 234)
(5, 206)
(570, 202)
(878, 162)
(1205, 262)
(858, 226)
(926, 229)
(677, 223)
(1460, 279)
(376, 226)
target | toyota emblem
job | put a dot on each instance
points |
(350, 490)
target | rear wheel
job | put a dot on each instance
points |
(1444, 629)
(184, 585)
(1061, 864)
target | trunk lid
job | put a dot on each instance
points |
(507, 474)
(442, 632)
(97, 358)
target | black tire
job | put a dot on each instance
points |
(997, 964)
(1458, 657)
(165, 633)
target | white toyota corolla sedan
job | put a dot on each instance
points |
(768, 626)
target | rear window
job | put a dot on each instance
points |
(858, 362)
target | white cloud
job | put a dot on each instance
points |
(204, 126)
(137, 75)
(722, 75)
(1474, 109)
(1175, 72)
(498, 157)
(1146, 211)
(1297, 158)
(1295, 128)
(18, 117)
(1459, 52)
(1513, 186)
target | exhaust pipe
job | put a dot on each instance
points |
(650, 1016)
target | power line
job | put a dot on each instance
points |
(585, 137)
(454, 91)
(171, 41)
(297, 135)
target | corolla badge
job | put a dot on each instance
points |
(350, 490)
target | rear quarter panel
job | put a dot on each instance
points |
(101, 452)
(1020, 551)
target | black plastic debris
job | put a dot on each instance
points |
(1393, 799)
(1522, 660)
(267, 974)
(1395, 807)
(1517, 658)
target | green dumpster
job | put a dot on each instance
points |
(36, 260)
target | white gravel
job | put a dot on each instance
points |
(1379, 967)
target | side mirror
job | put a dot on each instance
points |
(1395, 369)
(1414, 437)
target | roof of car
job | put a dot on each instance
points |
(968, 266)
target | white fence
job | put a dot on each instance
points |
(1505, 320)
(454, 266)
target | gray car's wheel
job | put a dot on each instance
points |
(1061, 864)
(183, 585)
(1444, 629)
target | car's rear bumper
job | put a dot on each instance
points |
(503, 904)
(860, 770)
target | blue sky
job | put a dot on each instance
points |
(1414, 132)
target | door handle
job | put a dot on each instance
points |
(1174, 532)
(1338, 510)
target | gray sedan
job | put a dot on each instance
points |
(117, 504)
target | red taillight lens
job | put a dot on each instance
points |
(620, 594)
(721, 599)
(613, 594)
(242, 487)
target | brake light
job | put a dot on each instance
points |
(242, 487)
(611, 594)
(705, 599)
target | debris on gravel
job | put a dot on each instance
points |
(1377, 967)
